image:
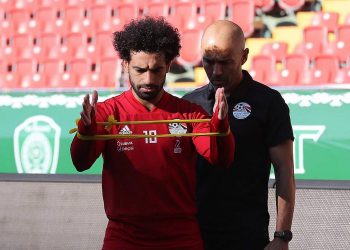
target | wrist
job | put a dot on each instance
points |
(284, 235)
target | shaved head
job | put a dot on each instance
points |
(224, 53)
(223, 35)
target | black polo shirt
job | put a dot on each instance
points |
(235, 199)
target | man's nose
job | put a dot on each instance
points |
(148, 77)
(217, 69)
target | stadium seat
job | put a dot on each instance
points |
(255, 46)
(102, 46)
(45, 20)
(314, 41)
(25, 74)
(51, 73)
(124, 12)
(156, 9)
(74, 46)
(292, 35)
(21, 46)
(99, 19)
(242, 12)
(341, 45)
(343, 76)
(72, 20)
(291, 5)
(211, 12)
(190, 55)
(108, 73)
(78, 73)
(278, 49)
(263, 69)
(295, 69)
(340, 6)
(325, 69)
(47, 46)
(17, 21)
(4, 74)
(327, 19)
(185, 13)
(264, 5)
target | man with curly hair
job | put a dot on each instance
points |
(149, 183)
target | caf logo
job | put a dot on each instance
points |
(36, 145)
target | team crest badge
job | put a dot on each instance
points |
(177, 128)
(36, 145)
(242, 110)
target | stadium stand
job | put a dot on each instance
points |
(73, 29)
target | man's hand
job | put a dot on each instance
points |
(220, 100)
(277, 244)
(88, 107)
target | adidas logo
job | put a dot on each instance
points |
(125, 131)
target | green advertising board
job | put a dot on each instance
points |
(34, 134)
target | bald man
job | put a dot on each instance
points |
(232, 202)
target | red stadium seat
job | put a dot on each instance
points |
(74, 46)
(296, 69)
(21, 46)
(108, 73)
(242, 12)
(327, 19)
(278, 49)
(325, 69)
(78, 73)
(343, 76)
(100, 19)
(45, 20)
(291, 5)
(264, 5)
(212, 11)
(47, 46)
(25, 74)
(124, 12)
(341, 45)
(264, 69)
(190, 55)
(5, 76)
(314, 41)
(102, 46)
(156, 9)
(17, 21)
(72, 20)
(51, 73)
(186, 14)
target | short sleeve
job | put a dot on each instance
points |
(279, 127)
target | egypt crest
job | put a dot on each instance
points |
(241, 110)
(36, 145)
(177, 128)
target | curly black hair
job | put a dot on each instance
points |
(148, 34)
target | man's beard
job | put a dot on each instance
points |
(147, 96)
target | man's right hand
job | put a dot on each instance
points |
(88, 107)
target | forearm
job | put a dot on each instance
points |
(285, 191)
(222, 147)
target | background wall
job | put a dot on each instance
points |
(70, 215)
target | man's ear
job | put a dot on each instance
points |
(168, 66)
(125, 65)
(245, 56)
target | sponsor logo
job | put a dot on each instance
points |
(125, 146)
(125, 130)
(36, 145)
(242, 110)
(177, 128)
(177, 148)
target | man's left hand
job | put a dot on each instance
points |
(277, 244)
